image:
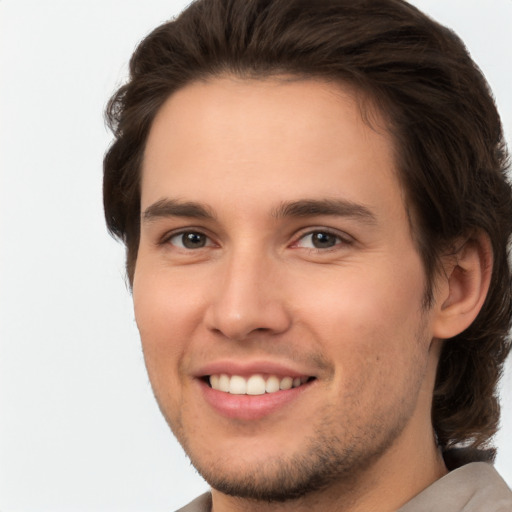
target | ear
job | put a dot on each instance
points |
(463, 287)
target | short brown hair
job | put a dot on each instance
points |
(451, 156)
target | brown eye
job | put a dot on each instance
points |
(319, 240)
(189, 240)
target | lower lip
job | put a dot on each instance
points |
(250, 407)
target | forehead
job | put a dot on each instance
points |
(266, 140)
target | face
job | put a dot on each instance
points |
(277, 290)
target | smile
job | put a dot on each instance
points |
(256, 384)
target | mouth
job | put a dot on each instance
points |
(253, 391)
(256, 384)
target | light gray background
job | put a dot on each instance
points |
(79, 429)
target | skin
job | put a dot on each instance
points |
(258, 292)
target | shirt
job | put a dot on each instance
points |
(475, 487)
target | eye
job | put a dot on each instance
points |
(319, 240)
(190, 240)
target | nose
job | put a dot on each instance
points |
(248, 298)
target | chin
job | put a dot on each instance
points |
(321, 463)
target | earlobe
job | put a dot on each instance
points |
(464, 286)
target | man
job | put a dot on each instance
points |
(314, 201)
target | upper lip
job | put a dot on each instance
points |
(247, 368)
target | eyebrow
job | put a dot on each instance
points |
(301, 208)
(332, 207)
(176, 208)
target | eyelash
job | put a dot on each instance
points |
(339, 239)
(167, 239)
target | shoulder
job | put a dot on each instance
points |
(201, 504)
(475, 487)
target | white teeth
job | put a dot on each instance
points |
(223, 383)
(255, 384)
(214, 381)
(286, 383)
(238, 385)
(272, 384)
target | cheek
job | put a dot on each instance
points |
(367, 317)
(165, 317)
(166, 308)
